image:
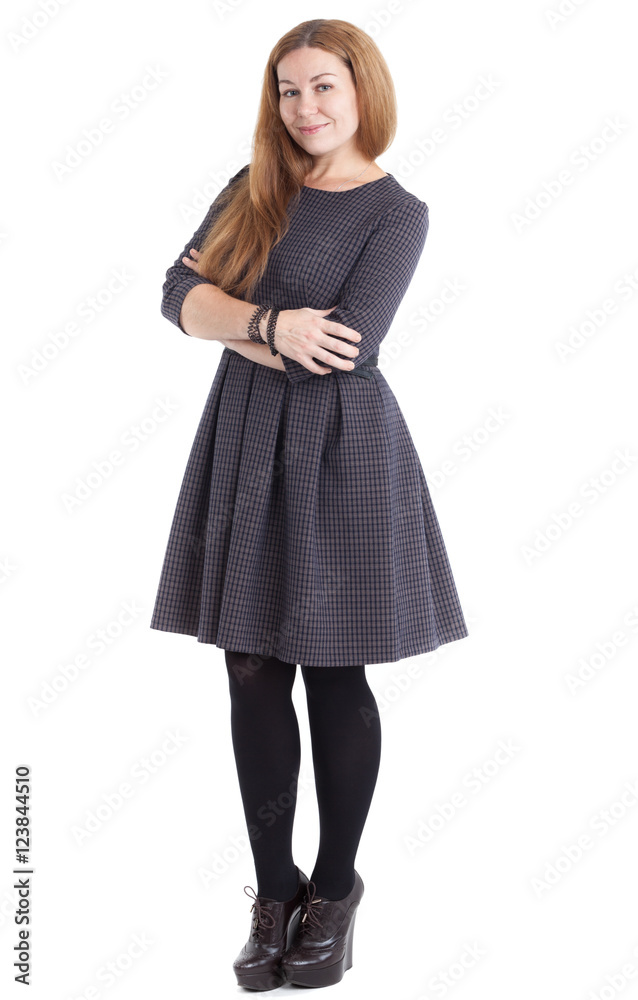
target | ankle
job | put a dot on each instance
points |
(280, 887)
(333, 887)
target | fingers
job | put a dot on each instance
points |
(318, 370)
(315, 369)
(192, 263)
(337, 345)
(322, 354)
(339, 330)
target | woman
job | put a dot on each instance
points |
(304, 531)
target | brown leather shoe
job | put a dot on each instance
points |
(321, 952)
(274, 923)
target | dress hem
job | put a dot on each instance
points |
(443, 638)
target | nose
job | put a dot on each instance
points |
(307, 106)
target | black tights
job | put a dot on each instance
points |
(346, 748)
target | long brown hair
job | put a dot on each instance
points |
(253, 213)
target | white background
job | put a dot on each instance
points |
(543, 599)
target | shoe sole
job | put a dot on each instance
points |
(261, 981)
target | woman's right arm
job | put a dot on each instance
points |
(211, 314)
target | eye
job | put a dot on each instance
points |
(284, 93)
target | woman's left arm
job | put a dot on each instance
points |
(378, 281)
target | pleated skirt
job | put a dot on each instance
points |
(304, 527)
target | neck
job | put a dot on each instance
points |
(338, 172)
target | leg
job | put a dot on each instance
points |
(346, 750)
(267, 748)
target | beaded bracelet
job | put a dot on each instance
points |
(254, 332)
(270, 330)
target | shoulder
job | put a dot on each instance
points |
(235, 177)
(227, 192)
(400, 209)
(399, 200)
(240, 173)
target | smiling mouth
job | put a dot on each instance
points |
(311, 129)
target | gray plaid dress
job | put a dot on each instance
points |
(304, 527)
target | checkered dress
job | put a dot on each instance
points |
(304, 527)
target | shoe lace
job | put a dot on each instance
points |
(263, 917)
(311, 909)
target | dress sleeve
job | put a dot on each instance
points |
(379, 279)
(180, 278)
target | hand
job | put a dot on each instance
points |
(303, 334)
(192, 263)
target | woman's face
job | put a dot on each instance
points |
(329, 101)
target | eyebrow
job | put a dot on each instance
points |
(312, 78)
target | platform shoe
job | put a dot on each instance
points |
(273, 928)
(321, 952)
